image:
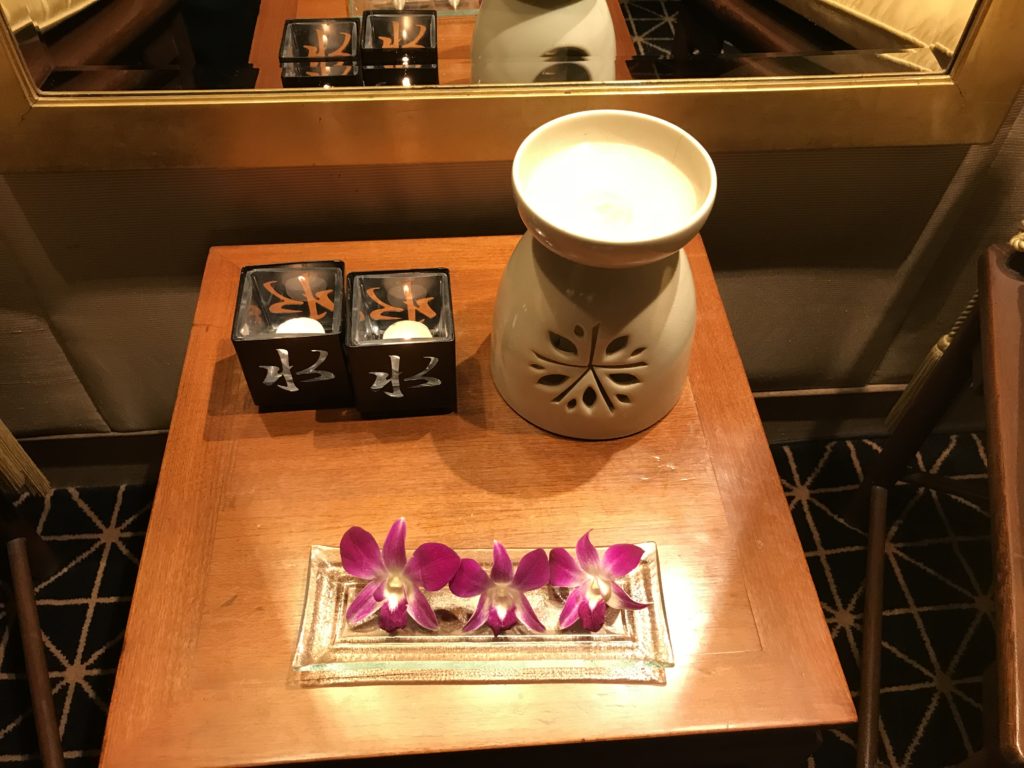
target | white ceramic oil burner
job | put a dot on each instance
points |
(522, 41)
(596, 311)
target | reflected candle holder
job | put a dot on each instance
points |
(288, 334)
(399, 48)
(400, 342)
(318, 53)
(320, 74)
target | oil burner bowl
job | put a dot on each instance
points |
(613, 188)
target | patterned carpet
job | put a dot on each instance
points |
(937, 630)
(652, 24)
(98, 535)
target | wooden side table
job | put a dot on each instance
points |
(203, 679)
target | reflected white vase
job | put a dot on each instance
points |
(523, 41)
(592, 330)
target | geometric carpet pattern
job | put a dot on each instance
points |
(937, 631)
(97, 534)
(652, 25)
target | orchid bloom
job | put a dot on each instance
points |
(502, 602)
(395, 586)
(593, 581)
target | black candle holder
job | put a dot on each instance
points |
(400, 342)
(288, 334)
(399, 48)
(320, 52)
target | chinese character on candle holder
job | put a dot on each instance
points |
(401, 342)
(320, 52)
(288, 333)
(399, 48)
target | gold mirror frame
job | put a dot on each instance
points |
(240, 129)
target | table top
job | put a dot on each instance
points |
(203, 678)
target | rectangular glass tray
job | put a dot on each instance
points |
(633, 646)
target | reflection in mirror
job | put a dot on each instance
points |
(118, 45)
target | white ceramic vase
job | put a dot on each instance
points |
(596, 311)
(523, 41)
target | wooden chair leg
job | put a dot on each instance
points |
(47, 730)
(938, 380)
(871, 641)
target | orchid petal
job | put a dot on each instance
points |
(501, 571)
(499, 624)
(381, 592)
(360, 555)
(565, 572)
(470, 579)
(571, 609)
(420, 609)
(432, 565)
(620, 599)
(394, 546)
(620, 559)
(587, 555)
(592, 618)
(479, 615)
(526, 614)
(393, 619)
(364, 605)
(532, 572)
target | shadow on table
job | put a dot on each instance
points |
(480, 443)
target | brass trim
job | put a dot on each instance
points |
(452, 124)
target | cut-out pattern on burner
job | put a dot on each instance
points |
(587, 375)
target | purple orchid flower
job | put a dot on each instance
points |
(593, 581)
(502, 602)
(395, 586)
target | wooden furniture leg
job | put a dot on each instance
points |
(26, 558)
(997, 322)
(1001, 284)
(942, 376)
(939, 379)
(47, 730)
(871, 642)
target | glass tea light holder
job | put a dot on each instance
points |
(320, 74)
(288, 333)
(401, 342)
(399, 48)
(318, 53)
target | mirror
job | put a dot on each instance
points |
(158, 45)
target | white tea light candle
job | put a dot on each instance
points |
(407, 329)
(303, 325)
